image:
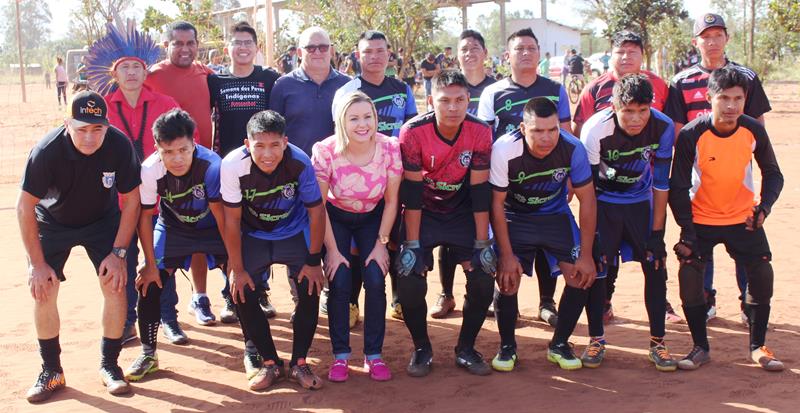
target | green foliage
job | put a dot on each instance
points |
(489, 26)
(785, 14)
(671, 38)
(642, 16)
(406, 23)
(154, 20)
(199, 14)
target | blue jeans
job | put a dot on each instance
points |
(428, 87)
(741, 279)
(363, 229)
(169, 295)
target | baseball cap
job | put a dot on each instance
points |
(706, 21)
(90, 108)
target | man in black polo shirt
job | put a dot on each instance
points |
(70, 190)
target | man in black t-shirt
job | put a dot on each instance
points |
(430, 68)
(235, 97)
(575, 63)
(73, 181)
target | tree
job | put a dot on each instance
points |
(154, 20)
(406, 23)
(642, 16)
(489, 26)
(35, 17)
(786, 14)
(88, 22)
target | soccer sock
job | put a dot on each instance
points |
(569, 310)
(50, 350)
(109, 351)
(655, 297)
(505, 311)
(758, 316)
(696, 319)
(149, 308)
(595, 307)
(305, 322)
(447, 270)
(611, 282)
(547, 283)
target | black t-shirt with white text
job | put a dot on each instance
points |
(233, 101)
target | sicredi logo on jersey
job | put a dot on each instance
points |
(89, 107)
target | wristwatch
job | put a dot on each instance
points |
(383, 239)
(121, 253)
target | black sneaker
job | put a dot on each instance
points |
(252, 362)
(506, 358)
(48, 382)
(114, 380)
(174, 334)
(266, 306)
(420, 364)
(228, 314)
(473, 361)
(549, 314)
(563, 355)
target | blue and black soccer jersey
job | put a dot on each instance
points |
(502, 102)
(629, 167)
(475, 94)
(538, 186)
(183, 199)
(273, 205)
(393, 99)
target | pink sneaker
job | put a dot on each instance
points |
(378, 370)
(339, 371)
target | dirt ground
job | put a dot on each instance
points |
(207, 374)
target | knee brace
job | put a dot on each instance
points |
(760, 278)
(690, 278)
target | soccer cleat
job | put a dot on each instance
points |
(711, 313)
(696, 358)
(143, 365)
(228, 313)
(303, 375)
(129, 333)
(594, 354)
(378, 370)
(473, 361)
(266, 376)
(339, 372)
(252, 362)
(660, 356)
(548, 314)
(444, 306)
(266, 306)
(173, 333)
(421, 363)
(563, 355)
(201, 308)
(48, 382)
(354, 315)
(397, 311)
(711, 306)
(506, 358)
(114, 380)
(608, 314)
(766, 359)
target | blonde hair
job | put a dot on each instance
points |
(342, 106)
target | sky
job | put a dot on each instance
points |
(565, 12)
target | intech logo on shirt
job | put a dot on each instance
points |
(108, 179)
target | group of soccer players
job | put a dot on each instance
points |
(344, 172)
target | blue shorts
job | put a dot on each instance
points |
(174, 248)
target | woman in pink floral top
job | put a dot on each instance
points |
(359, 173)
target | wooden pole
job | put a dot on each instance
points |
(270, 35)
(21, 59)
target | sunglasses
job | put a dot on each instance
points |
(312, 48)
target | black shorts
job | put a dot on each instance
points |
(96, 238)
(624, 227)
(556, 235)
(742, 245)
(174, 248)
(258, 254)
(455, 230)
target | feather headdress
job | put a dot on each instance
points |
(113, 48)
